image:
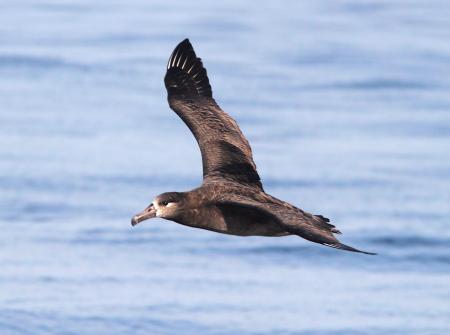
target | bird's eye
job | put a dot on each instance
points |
(164, 203)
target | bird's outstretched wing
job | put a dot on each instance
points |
(226, 153)
(314, 228)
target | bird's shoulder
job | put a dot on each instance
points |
(224, 191)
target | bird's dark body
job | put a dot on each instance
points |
(203, 209)
(231, 199)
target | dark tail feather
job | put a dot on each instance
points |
(185, 74)
(325, 223)
(342, 246)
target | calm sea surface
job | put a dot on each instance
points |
(346, 105)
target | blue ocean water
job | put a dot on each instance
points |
(346, 105)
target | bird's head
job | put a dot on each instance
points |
(166, 205)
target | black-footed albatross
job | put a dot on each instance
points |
(231, 199)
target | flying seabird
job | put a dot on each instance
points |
(231, 199)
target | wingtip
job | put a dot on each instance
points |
(347, 248)
(366, 252)
(185, 44)
(186, 75)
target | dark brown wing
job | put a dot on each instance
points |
(314, 228)
(225, 151)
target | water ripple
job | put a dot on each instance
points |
(40, 63)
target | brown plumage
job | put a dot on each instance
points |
(231, 199)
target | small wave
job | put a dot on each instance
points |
(62, 7)
(148, 181)
(84, 240)
(381, 84)
(24, 322)
(53, 211)
(410, 241)
(308, 183)
(39, 63)
(429, 259)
